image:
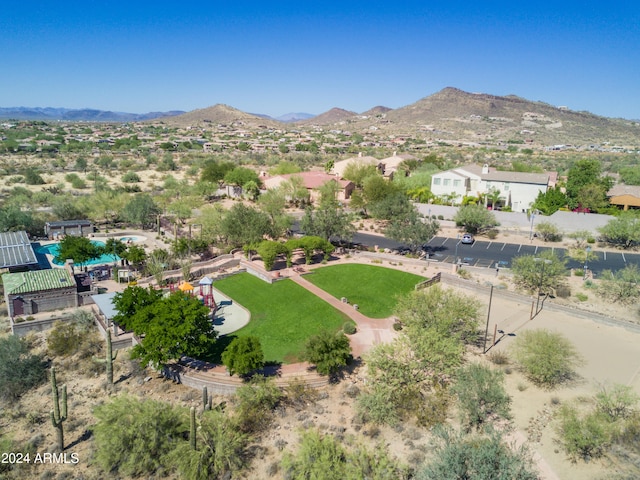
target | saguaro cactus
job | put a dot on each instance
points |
(206, 399)
(192, 430)
(110, 358)
(57, 417)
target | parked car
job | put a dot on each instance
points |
(467, 238)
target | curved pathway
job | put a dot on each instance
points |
(370, 331)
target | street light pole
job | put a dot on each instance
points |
(586, 263)
(544, 262)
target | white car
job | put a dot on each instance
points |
(467, 238)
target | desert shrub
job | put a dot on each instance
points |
(64, 339)
(548, 232)
(131, 177)
(133, 437)
(19, 369)
(616, 402)
(434, 408)
(221, 449)
(628, 436)
(349, 328)
(492, 234)
(481, 394)
(397, 326)
(547, 358)
(440, 217)
(466, 274)
(379, 405)
(255, 404)
(498, 357)
(298, 394)
(582, 297)
(328, 351)
(476, 456)
(323, 456)
(583, 436)
(32, 177)
(563, 290)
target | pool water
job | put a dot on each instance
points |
(54, 248)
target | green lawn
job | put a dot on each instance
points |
(374, 289)
(283, 315)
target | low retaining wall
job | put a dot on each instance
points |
(21, 329)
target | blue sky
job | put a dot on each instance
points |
(280, 57)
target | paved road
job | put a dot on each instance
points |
(488, 253)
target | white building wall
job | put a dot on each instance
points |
(519, 196)
(446, 183)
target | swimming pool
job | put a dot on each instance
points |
(54, 248)
(133, 238)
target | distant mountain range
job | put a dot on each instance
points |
(79, 115)
(93, 115)
(450, 116)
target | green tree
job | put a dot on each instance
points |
(79, 249)
(269, 251)
(582, 173)
(547, 358)
(295, 191)
(20, 370)
(214, 171)
(273, 203)
(132, 299)
(481, 395)
(142, 210)
(134, 437)
(475, 218)
(390, 207)
(135, 255)
(172, 326)
(357, 172)
(14, 218)
(243, 355)
(114, 246)
(630, 175)
(593, 197)
(622, 231)
(545, 272)
(328, 222)
(67, 208)
(413, 230)
(241, 176)
(483, 457)
(550, 202)
(328, 351)
(244, 225)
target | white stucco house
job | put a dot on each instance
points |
(517, 190)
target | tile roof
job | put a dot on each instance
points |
(37, 281)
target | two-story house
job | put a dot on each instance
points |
(517, 190)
